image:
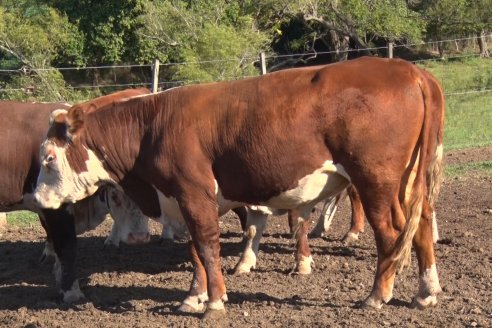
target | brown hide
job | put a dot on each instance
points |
(24, 128)
(261, 135)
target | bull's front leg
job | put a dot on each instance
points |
(200, 212)
(197, 296)
(48, 251)
(61, 225)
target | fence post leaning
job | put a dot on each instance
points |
(390, 49)
(3, 220)
(155, 75)
(263, 63)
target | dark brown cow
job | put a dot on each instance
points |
(285, 140)
(25, 126)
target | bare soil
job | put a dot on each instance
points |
(142, 286)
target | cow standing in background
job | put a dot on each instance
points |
(284, 140)
(25, 126)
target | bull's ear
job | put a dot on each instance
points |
(58, 116)
(75, 119)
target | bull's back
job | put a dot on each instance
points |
(296, 121)
(25, 126)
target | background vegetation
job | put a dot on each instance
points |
(217, 39)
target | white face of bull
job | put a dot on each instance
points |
(59, 183)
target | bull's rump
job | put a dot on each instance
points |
(262, 135)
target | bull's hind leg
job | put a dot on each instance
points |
(429, 285)
(357, 218)
(256, 223)
(382, 217)
(326, 216)
(299, 225)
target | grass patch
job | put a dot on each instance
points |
(22, 218)
(462, 75)
(468, 116)
(463, 169)
(468, 121)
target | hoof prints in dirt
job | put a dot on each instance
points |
(142, 286)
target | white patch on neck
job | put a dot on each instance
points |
(327, 181)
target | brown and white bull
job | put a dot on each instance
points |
(25, 126)
(284, 140)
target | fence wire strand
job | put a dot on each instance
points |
(251, 58)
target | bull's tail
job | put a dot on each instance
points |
(434, 174)
(403, 246)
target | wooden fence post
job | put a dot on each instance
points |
(263, 63)
(390, 49)
(3, 220)
(155, 75)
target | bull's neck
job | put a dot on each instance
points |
(116, 133)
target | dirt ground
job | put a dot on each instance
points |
(142, 286)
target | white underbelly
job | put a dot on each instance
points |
(327, 181)
(172, 215)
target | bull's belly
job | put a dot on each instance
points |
(173, 217)
(327, 181)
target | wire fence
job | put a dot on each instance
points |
(469, 112)
(250, 59)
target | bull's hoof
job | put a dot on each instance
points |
(303, 270)
(214, 314)
(194, 303)
(74, 294)
(424, 302)
(186, 308)
(372, 303)
(350, 238)
(303, 266)
(242, 268)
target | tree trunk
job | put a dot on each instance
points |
(482, 44)
(440, 49)
(340, 45)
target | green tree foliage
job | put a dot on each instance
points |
(454, 18)
(337, 25)
(109, 28)
(216, 39)
(36, 36)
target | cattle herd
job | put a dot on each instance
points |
(369, 128)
